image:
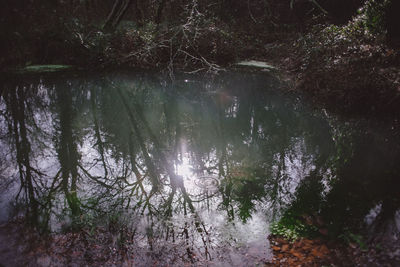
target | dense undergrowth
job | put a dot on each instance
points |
(197, 44)
(353, 65)
(349, 66)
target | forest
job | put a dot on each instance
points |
(314, 41)
(199, 133)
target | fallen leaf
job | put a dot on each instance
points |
(276, 248)
(298, 255)
(324, 249)
(308, 242)
(315, 252)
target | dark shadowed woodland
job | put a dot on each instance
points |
(200, 133)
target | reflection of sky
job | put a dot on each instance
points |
(234, 236)
(42, 156)
(250, 137)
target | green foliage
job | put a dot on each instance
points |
(349, 237)
(374, 12)
(292, 228)
(247, 185)
(290, 232)
(297, 221)
(43, 68)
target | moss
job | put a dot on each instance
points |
(44, 68)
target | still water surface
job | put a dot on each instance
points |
(195, 168)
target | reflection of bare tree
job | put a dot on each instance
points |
(120, 146)
(153, 174)
(15, 101)
(149, 152)
(67, 150)
(99, 141)
(175, 180)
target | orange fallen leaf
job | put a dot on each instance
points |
(276, 248)
(308, 242)
(324, 249)
(298, 255)
(281, 241)
(317, 253)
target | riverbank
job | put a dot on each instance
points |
(344, 68)
(22, 245)
(320, 252)
(344, 55)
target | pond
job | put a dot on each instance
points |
(195, 169)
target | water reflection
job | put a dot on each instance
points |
(199, 165)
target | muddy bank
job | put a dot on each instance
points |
(13, 245)
(22, 246)
(319, 252)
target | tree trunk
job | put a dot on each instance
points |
(159, 11)
(117, 12)
(139, 13)
(67, 150)
(393, 30)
